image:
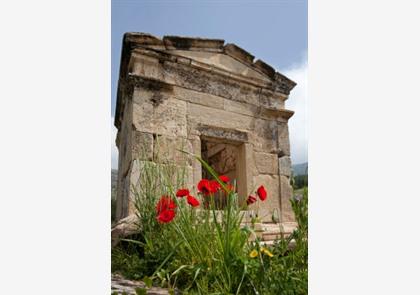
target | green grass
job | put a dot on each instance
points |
(201, 254)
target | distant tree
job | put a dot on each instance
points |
(300, 181)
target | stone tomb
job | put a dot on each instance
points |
(211, 99)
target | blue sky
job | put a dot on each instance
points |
(274, 31)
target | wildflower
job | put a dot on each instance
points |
(165, 203)
(262, 193)
(182, 192)
(253, 253)
(224, 178)
(266, 252)
(166, 216)
(215, 186)
(192, 201)
(251, 200)
(204, 187)
(207, 187)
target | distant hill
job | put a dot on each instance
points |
(300, 169)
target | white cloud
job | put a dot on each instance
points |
(297, 102)
(114, 150)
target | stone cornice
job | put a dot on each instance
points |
(167, 43)
(149, 45)
(171, 57)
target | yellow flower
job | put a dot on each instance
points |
(253, 253)
(267, 252)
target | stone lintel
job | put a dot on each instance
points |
(189, 43)
(226, 135)
(239, 53)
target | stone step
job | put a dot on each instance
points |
(275, 228)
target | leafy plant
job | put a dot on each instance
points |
(207, 251)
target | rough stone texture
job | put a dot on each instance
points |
(266, 163)
(239, 53)
(200, 95)
(247, 171)
(283, 139)
(196, 165)
(264, 137)
(286, 194)
(241, 108)
(177, 42)
(168, 149)
(167, 118)
(285, 166)
(224, 134)
(123, 228)
(120, 285)
(223, 62)
(265, 68)
(271, 184)
(142, 145)
(220, 118)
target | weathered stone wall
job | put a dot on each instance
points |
(185, 97)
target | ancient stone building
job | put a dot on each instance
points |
(212, 99)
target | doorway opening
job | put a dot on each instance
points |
(225, 158)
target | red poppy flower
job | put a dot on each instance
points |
(182, 192)
(224, 178)
(204, 187)
(262, 193)
(215, 186)
(251, 200)
(165, 203)
(193, 201)
(166, 216)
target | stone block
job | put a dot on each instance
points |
(196, 165)
(218, 118)
(188, 43)
(208, 82)
(270, 100)
(285, 166)
(266, 163)
(241, 108)
(200, 98)
(239, 53)
(142, 145)
(247, 169)
(168, 117)
(168, 150)
(283, 139)
(271, 184)
(264, 136)
(146, 66)
(265, 68)
(223, 134)
(286, 192)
